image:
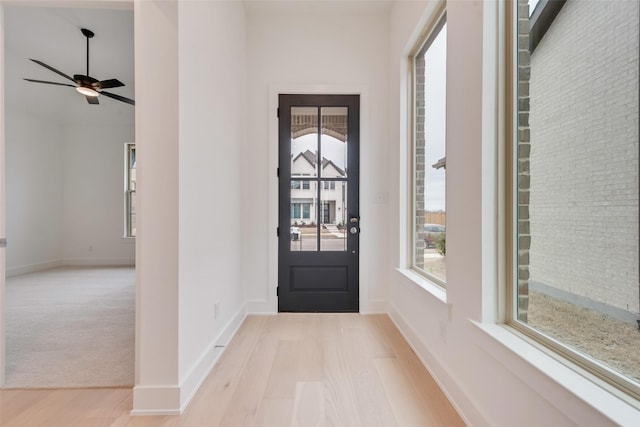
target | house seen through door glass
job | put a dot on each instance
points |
(318, 215)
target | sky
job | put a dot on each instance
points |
(332, 148)
(532, 5)
(435, 116)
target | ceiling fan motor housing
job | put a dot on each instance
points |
(87, 33)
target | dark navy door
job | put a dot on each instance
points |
(319, 214)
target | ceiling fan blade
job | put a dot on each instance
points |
(49, 83)
(92, 100)
(118, 97)
(49, 67)
(108, 84)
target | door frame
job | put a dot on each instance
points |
(270, 305)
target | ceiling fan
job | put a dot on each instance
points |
(88, 86)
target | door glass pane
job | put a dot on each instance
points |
(333, 216)
(304, 141)
(304, 227)
(333, 142)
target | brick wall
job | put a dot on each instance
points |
(583, 211)
(419, 168)
(523, 151)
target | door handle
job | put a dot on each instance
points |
(353, 230)
(3, 242)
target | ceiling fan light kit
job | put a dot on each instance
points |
(87, 91)
(85, 84)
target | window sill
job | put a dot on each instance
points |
(422, 282)
(602, 398)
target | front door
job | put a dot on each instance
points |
(319, 213)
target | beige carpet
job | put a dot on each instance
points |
(71, 327)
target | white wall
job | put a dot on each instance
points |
(316, 51)
(189, 140)
(156, 46)
(65, 202)
(33, 166)
(213, 120)
(492, 376)
(93, 201)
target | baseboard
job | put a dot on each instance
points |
(98, 262)
(375, 307)
(261, 307)
(32, 268)
(173, 400)
(449, 386)
(147, 400)
(209, 358)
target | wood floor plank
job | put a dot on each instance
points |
(439, 409)
(209, 405)
(372, 403)
(339, 388)
(15, 402)
(309, 405)
(292, 326)
(310, 360)
(284, 373)
(401, 394)
(292, 369)
(249, 393)
(275, 412)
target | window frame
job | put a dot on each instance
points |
(430, 32)
(129, 193)
(599, 373)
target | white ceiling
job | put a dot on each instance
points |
(293, 7)
(52, 35)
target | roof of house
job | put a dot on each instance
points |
(442, 163)
(312, 158)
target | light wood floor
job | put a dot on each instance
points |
(285, 370)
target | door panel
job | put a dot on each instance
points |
(318, 245)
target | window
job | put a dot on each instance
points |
(328, 185)
(130, 189)
(574, 183)
(297, 185)
(300, 210)
(428, 207)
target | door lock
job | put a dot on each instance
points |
(353, 230)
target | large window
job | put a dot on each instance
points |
(428, 233)
(130, 190)
(574, 187)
